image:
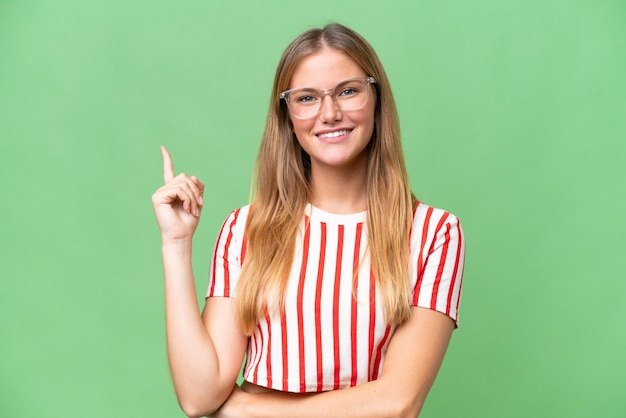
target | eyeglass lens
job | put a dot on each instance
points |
(348, 95)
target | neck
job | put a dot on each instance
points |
(340, 190)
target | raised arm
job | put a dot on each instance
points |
(204, 352)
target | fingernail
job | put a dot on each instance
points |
(200, 200)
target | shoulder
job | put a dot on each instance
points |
(234, 225)
(431, 223)
(437, 260)
(238, 216)
(425, 216)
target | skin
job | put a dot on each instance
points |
(205, 351)
(338, 165)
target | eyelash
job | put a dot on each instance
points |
(309, 98)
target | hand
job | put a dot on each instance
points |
(178, 203)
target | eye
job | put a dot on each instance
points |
(304, 97)
(348, 91)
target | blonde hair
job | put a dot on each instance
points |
(282, 190)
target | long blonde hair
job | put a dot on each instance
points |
(282, 190)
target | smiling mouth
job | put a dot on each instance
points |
(334, 134)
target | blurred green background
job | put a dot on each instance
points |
(512, 116)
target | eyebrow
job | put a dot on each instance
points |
(333, 86)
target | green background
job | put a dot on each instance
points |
(512, 116)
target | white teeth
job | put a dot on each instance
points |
(334, 134)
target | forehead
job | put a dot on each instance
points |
(324, 69)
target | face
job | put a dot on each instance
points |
(335, 138)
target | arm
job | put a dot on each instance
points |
(414, 356)
(204, 352)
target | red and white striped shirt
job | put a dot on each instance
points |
(327, 339)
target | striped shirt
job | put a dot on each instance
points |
(327, 339)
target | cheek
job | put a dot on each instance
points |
(367, 121)
(301, 128)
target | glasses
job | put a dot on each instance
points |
(306, 102)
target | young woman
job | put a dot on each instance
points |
(334, 277)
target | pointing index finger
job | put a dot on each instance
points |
(168, 167)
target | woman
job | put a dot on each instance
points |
(335, 277)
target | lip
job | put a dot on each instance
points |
(333, 139)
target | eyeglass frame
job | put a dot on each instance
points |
(328, 92)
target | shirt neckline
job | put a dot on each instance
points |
(317, 214)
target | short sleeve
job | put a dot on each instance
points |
(228, 255)
(437, 260)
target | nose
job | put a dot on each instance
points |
(329, 110)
